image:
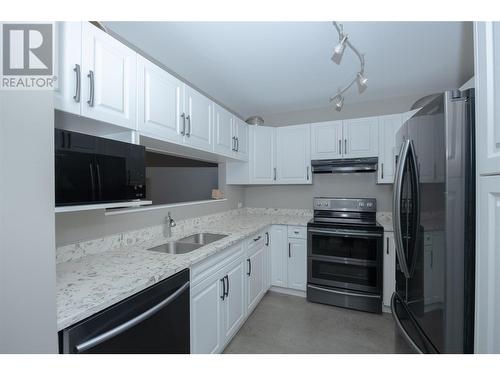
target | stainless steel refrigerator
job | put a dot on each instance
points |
(434, 221)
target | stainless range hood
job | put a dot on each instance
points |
(361, 165)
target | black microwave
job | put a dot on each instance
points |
(90, 170)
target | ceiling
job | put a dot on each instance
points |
(273, 67)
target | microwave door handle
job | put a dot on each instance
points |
(398, 184)
(92, 180)
(99, 186)
(130, 323)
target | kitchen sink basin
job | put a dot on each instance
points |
(202, 238)
(175, 247)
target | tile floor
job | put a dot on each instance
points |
(289, 324)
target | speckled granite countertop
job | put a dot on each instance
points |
(94, 275)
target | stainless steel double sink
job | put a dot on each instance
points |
(188, 244)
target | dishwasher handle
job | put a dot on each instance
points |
(130, 323)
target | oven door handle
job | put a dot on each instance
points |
(345, 233)
(344, 293)
(130, 323)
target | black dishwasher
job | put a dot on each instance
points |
(153, 321)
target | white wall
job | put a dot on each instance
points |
(27, 252)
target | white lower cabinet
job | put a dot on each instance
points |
(288, 258)
(206, 306)
(255, 276)
(233, 305)
(224, 290)
(389, 279)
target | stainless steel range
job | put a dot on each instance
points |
(345, 250)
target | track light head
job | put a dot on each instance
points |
(362, 82)
(339, 103)
(338, 51)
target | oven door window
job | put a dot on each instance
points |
(350, 276)
(352, 247)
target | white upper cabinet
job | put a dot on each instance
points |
(159, 102)
(293, 154)
(326, 139)
(198, 109)
(360, 137)
(388, 126)
(262, 155)
(487, 74)
(240, 131)
(109, 78)
(224, 136)
(67, 96)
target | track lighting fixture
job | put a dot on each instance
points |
(338, 51)
(360, 77)
(362, 82)
(339, 103)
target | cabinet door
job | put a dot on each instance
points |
(224, 137)
(234, 305)
(110, 95)
(360, 138)
(297, 263)
(389, 280)
(487, 329)
(326, 140)
(206, 315)
(199, 111)
(159, 102)
(67, 96)
(241, 130)
(255, 277)
(262, 154)
(487, 93)
(388, 126)
(279, 262)
(293, 155)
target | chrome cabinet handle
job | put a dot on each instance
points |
(340, 147)
(223, 281)
(307, 173)
(183, 116)
(188, 133)
(267, 238)
(78, 88)
(130, 323)
(387, 246)
(382, 170)
(345, 146)
(90, 102)
(249, 261)
(289, 250)
(274, 173)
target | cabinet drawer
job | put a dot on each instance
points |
(257, 240)
(212, 264)
(297, 232)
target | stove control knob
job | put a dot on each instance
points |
(369, 205)
(361, 204)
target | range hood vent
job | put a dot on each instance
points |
(362, 165)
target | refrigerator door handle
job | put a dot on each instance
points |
(416, 207)
(398, 185)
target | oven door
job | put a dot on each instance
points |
(349, 259)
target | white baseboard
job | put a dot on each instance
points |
(292, 292)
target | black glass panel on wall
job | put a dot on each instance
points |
(172, 179)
